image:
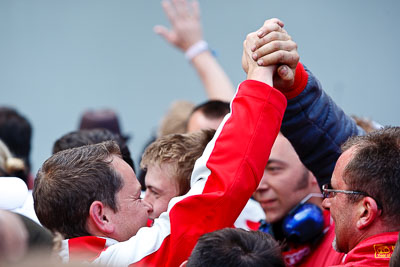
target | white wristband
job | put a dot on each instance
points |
(196, 49)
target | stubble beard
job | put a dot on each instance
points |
(334, 245)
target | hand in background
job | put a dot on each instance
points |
(186, 29)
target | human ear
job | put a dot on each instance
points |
(100, 217)
(368, 211)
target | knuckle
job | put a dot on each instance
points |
(270, 37)
(274, 36)
(280, 56)
(276, 46)
(293, 45)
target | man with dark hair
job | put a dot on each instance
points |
(236, 248)
(16, 133)
(65, 192)
(93, 136)
(363, 197)
(207, 115)
(221, 185)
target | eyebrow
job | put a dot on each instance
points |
(154, 188)
(276, 161)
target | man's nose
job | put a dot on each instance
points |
(148, 205)
(148, 196)
(263, 186)
(326, 203)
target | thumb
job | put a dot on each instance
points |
(285, 73)
(164, 32)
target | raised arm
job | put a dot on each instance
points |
(186, 34)
(223, 178)
(316, 126)
(313, 123)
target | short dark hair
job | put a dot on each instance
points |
(375, 169)
(69, 182)
(16, 133)
(93, 136)
(236, 248)
(213, 109)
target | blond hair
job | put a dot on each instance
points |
(9, 164)
(180, 152)
(175, 119)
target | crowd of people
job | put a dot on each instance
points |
(271, 174)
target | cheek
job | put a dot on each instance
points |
(333, 205)
(338, 212)
(149, 198)
(282, 191)
(257, 195)
(163, 203)
(135, 207)
(159, 205)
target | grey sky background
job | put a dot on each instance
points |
(59, 58)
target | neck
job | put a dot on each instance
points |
(95, 231)
(378, 227)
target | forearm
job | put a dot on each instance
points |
(317, 128)
(216, 83)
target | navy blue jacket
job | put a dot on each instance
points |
(317, 128)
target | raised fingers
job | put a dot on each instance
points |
(247, 60)
(196, 9)
(169, 10)
(251, 40)
(270, 26)
(290, 58)
(266, 41)
(181, 7)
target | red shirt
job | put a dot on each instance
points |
(374, 251)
